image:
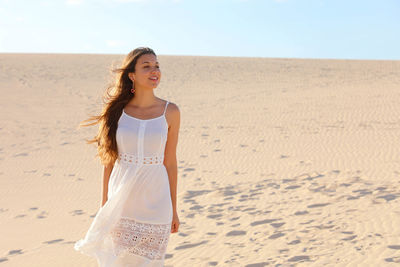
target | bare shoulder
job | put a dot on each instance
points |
(173, 108)
(172, 114)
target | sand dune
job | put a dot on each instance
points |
(282, 162)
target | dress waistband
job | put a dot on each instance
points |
(133, 159)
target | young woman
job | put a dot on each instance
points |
(137, 140)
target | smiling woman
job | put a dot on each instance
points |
(137, 142)
(149, 69)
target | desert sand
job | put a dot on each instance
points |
(281, 162)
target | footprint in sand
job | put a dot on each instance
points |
(226, 191)
(318, 205)
(192, 194)
(393, 259)
(214, 216)
(349, 238)
(236, 233)
(248, 209)
(182, 234)
(275, 236)
(77, 212)
(396, 247)
(15, 251)
(297, 213)
(263, 222)
(277, 225)
(12, 252)
(259, 264)
(53, 241)
(21, 155)
(191, 245)
(235, 218)
(294, 242)
(196, 207)
(389, 197)
(293, 187)
(42, 215)
(299, 258)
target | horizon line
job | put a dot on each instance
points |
(186, 55)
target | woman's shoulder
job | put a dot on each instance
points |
(171, 108)
(172, 113)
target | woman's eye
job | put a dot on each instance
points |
(149, 66)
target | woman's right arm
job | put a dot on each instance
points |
(106, 177)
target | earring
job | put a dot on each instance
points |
(133, 88)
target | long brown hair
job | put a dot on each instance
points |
(116, 96)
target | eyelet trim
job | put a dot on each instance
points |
(133, 159)
(144, 239)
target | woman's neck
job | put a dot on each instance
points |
(143, 98)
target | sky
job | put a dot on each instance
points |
(331, 29)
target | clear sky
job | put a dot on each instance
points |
(343, 29)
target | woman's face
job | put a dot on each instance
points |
(147, 72)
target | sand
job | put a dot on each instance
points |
(281, 162)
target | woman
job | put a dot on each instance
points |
(137, 140)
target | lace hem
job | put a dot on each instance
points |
(143, 239)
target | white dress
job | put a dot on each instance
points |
(133, 226)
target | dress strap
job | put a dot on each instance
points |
(165, 109)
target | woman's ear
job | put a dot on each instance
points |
(131, 76)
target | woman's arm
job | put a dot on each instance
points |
(106, 177)
(170, 161)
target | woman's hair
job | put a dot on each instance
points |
(116, 96)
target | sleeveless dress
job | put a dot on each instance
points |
(133, 227)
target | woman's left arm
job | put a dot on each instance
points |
(170, 161)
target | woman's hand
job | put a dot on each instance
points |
(175, 223)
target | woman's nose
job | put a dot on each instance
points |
(155, 70)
